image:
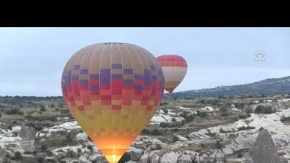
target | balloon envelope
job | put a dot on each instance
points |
(174, 69)
(112, 90)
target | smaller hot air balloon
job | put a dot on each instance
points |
(174, 70)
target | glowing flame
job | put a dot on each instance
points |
(114, 157)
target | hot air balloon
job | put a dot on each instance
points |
(112, 90)
(174, 70)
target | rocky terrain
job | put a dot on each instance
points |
(181, 131)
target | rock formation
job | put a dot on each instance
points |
(264, 150)
(26, 133)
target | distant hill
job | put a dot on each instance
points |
(263, 87)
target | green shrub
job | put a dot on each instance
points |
(245, 128)
(158, 146)
(264, 109)
(285, 119)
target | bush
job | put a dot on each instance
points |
(71, 154)
(17, 155)
(285, 119)
(211, 134)
(249, 110)
(224, 111)
(53, 119)
(27, 152)
(165, 110)
(202, 101)
(242, 116)
(268, 109)
(218, 144)
(13, 112)
(213, 101)
(187, 116)
(151, 132)
(163, 124)
(264, 109)
(156, 132)
(259, 109)
(201, 114)
(175, 139)
(145, 131)
(42, 109)
(158, 147)
(223, 131)
(245, 128)
(163, 103)
(90, 148)
(43, 147)
(239, 105)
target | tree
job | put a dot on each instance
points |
(224, 111)
(259, 109)
(202, 101)
(218, 144)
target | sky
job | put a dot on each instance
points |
(32, 59)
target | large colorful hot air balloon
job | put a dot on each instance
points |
(112, 90)
(174, 69)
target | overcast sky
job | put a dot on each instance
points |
(32, 59)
